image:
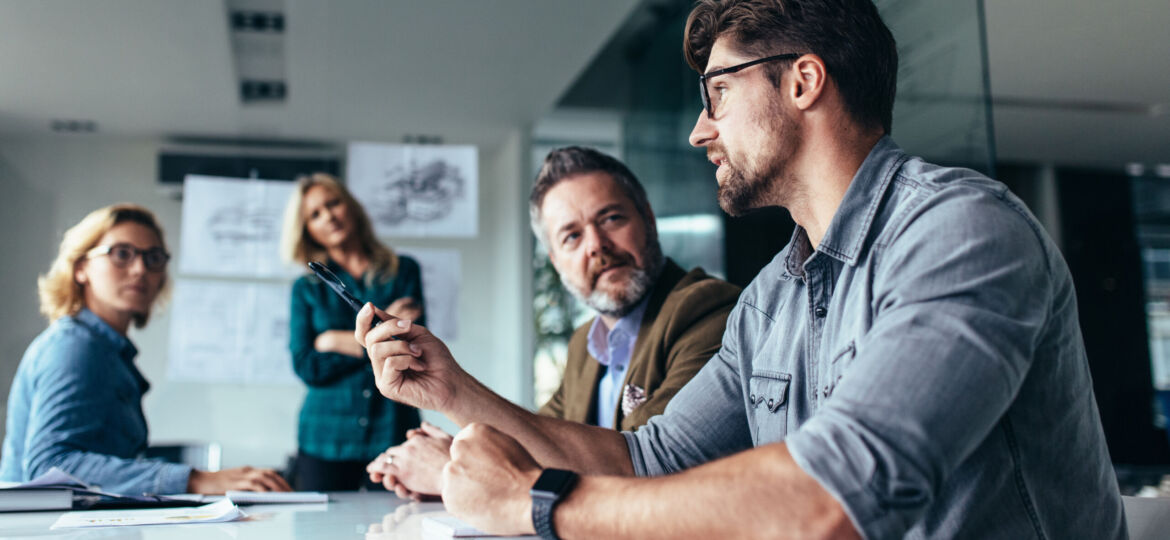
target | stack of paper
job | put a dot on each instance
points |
(276, 497)
(217, 512)
(28, 499)
(50, 491)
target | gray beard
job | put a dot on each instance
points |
(622, 303)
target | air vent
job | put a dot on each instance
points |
(422, 139)
(257, 29)
(73, 126)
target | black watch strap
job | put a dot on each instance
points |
(552, 486)
(542, 518)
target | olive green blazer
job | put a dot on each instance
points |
(682, 328)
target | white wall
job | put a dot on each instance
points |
(50, 183)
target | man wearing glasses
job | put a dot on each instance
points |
(910, 365)
(656, 324)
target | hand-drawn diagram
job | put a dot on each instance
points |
(416, 190)
(231, 227)
(440, 276)
(241, 225)
(425, 193)
(230, 331)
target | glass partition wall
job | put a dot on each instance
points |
(638, 100)
(1151, 200)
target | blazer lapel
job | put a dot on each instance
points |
(643, 352)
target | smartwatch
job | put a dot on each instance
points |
(552, 486)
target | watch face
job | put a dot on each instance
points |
(553, 482)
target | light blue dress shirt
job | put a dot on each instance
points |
(924, 364)
(76, 404)
(611, 347)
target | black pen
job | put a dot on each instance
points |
(338, 287)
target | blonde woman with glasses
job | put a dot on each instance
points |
(344, 422)
(76, 401)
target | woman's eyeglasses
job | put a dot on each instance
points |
(123, 255)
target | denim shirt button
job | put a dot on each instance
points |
(771, 402)
(820, 312)
(752, 398)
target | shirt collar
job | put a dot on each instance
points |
(106, 333)
(851, 223)
(602, 340)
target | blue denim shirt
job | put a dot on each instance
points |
(76, 404)
(612, 349)
(924, 364)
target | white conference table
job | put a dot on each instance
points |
(355, 515)
(374, 516)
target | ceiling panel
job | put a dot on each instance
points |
(359, 69)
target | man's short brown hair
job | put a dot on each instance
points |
(858, 49)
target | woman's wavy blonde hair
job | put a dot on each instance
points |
(298, 246)
(58, 289)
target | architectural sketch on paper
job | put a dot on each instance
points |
(416, 190)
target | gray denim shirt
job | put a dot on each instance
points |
(924, 364)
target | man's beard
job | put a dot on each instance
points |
(744, 191)
(640, 282)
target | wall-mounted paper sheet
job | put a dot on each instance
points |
(416, 190)
(231, 227)
(230, 331)
(441, 278)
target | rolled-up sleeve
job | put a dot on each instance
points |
(959, 303)
(706, 420)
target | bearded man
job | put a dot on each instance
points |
(656, 323)
(910, 365)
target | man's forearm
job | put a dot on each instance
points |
(760, 493)
(551, 441)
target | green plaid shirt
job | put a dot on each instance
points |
(344, 417)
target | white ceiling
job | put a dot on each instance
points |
(1074, 81)
(1080, 82)
(467, 71)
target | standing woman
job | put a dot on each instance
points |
(76, 401)
(344, 422)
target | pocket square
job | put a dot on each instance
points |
(632, 397)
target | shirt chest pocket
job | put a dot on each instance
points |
(768, 406)
(835, 369)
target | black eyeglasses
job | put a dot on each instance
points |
(123, 255)
(709, 104)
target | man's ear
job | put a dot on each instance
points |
(651, 223)
(552, 258)
(807, 81)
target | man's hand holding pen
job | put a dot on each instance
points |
(410, 364)
(487, 480)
